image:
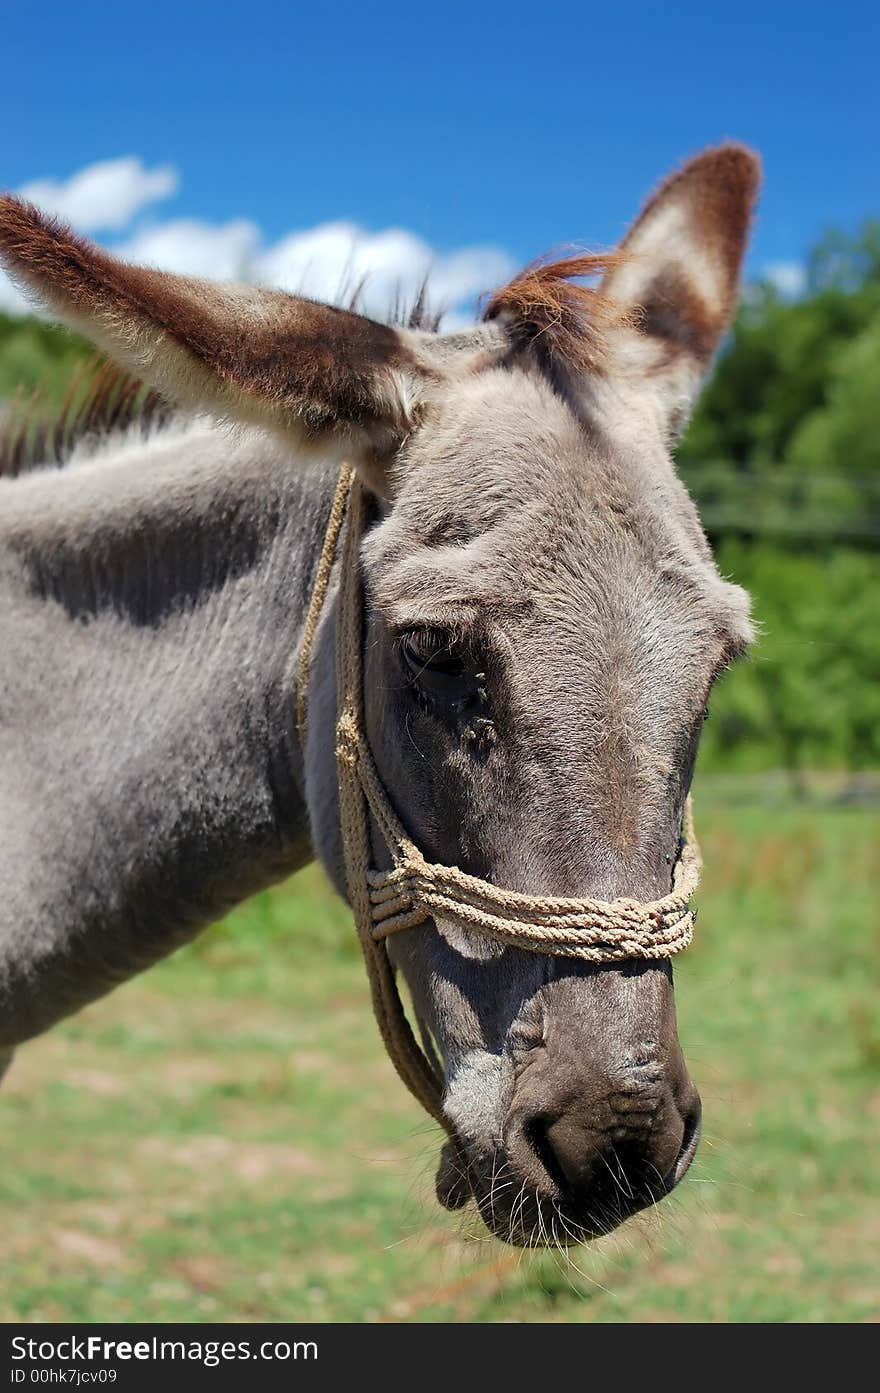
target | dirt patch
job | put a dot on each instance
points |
(251, 1162)
(96, 1081)
(203, 1274)
(91, 1248)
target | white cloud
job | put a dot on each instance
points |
(330, 261)
(327, 262)
(104, 196)
(192, 248)
(789, 277)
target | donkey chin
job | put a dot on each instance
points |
(585, 1117)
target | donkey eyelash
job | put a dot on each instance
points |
(432, 650)
(433, 640)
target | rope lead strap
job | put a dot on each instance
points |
(416, 890)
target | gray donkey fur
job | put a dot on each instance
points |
(544, 624)
(153, 597)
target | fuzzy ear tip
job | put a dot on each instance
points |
(20, 220)
(10, 209)
(11, 206)
(732, 162)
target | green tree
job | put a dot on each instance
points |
(788, 364)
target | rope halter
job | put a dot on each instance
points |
(416, 890)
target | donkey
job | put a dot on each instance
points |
(544, 622)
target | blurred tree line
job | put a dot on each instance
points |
(783, 459)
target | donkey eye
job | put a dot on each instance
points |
(432, 654)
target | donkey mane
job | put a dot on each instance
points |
(102, 400)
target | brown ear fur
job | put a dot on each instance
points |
(260, 355)
(716, 194)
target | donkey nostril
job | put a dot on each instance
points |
(585, 1167)
(606, 1165)
(567, 1151)
(690, 1141)
(536, 1133)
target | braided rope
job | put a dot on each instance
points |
(416, 890)
(413, 1065)
(319, 595)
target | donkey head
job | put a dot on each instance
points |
(544, 626)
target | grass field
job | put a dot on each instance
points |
(223, 1139)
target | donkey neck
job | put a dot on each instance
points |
(153, 598)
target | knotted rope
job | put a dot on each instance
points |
(416, 890)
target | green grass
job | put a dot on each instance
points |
(223, 1139)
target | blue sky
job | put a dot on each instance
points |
(507, 128)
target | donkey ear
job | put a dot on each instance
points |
(677, 278)
(321, 374)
